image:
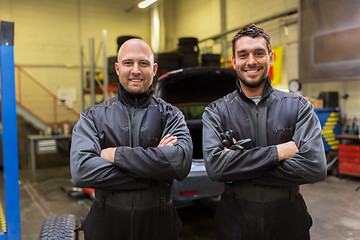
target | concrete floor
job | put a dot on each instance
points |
(334, 205)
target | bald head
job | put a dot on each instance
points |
(135, 67)
(138, 43)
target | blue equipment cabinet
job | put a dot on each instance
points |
(9, 136)
(331, 126)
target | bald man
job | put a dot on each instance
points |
(130, 149)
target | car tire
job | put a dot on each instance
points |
(189, 60)
(187, 41)
(210, 59)
(168, 60)
(111, 64)
(121, 39)
(188, 46)
(166, 56)
(113, 78)
(188, 49)
(59, 227)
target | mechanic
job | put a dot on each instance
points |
(129, 149)
(262, 143)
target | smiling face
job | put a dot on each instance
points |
(135, 66)
(252, 62)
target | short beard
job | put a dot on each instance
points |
(253, 84)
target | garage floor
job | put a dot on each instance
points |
(334, 205)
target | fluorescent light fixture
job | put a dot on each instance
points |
(146, 3)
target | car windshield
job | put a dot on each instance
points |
(192, 111)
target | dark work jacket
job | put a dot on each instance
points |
(255, 173)
(142, 173)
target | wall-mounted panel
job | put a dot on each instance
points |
(329, 40)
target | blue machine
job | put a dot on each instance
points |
(331, 126)
(9, 136)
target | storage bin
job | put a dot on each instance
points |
(349, 160)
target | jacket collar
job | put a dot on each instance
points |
(266, 92)
(134, 100)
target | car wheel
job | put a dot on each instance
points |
(59, 227)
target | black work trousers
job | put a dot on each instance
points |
(282, 219)
(113, 223)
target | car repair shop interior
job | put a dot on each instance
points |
(64, 54)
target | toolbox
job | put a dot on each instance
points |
(330, 124)
(349, 160)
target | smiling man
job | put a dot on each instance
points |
(263, 144)
(135, 66)
(129, 149)
(252, 60)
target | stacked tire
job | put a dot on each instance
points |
(189, 52)
(167, 61)
(186, 56)
(210, 60)
(113, 77)
(121, 39)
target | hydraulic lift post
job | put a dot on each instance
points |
(9, 133)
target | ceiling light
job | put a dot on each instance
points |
(146, 3)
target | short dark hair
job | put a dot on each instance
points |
(251, 30)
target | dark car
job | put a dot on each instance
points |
(191, 90)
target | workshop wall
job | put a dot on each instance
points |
(48, 35)
(201, 19)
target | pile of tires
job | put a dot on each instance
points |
(167, 61)
(113, 77)
(210, 60)
(189, 52)
(186, 55)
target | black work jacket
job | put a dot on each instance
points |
(279, 117)
(141, 172)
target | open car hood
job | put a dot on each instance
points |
(193, 85)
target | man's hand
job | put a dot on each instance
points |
(238, 145)
(286, 150)
(108, 154)
(167, 140)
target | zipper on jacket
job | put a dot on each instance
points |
(257, 123)
(131, 121)
(136, 100)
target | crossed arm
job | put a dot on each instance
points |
(109, 153)
(284, 150)
(125, 167)
(296, 162)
